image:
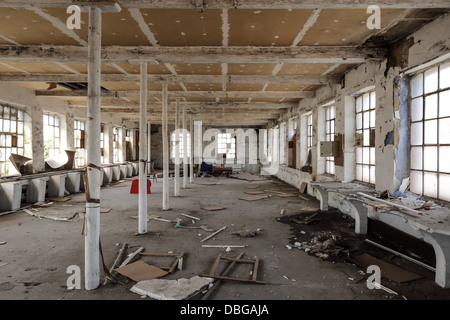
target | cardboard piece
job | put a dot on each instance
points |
(303, 187)
(140, 271)
(388, 270)
(254, 198)
(213, 208)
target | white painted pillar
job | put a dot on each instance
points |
(149, 144)
(176, 182)
(185, 167)
(142, 216)
(165, 143)
(93, 173)
(191, 158)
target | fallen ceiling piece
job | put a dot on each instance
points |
(255, 192)
(162, 289)
(253, 198)
(388, 270)
(140, 271)
(213, 208)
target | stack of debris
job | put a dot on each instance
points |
(323, 245)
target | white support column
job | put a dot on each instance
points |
(185, 167)
(149, 144)
(142, 221)
(165, 142)
(191, 158)
(93, 174)
(176, 182)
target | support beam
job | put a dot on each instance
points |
(185, 167)
(180, 55)
(228, 79)
(233, 4)
(149, 144)
(187, 94)
(176, 182)
(93, 173)
(165, 142)
(142, 213)
(191, 153)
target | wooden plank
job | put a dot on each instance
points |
(233, 279)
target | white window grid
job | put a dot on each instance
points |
(227, 145)
(79, 143)
(52, 141)
(309, 134)
(430, 133)
(365, 123)
(11, 137)
(180, 145)
(117, 151)
(330, 129)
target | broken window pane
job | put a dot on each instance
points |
(431, 107)
(417, 109)
(430, 158)
(431, 80)
(444, 104)
(430, 130)
(444, 76)
(416, 134)
(417, 86)
(430, 184)
(416, 158)
(444, 131)
(444, 190)
(444, 156)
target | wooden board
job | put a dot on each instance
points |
(140, 271)
(388, 270)
(213, 208)
(303, 187)
(254, 192)
(286, 195)
(254, 198)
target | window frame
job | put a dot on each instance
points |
(12, 139)
(423, 122)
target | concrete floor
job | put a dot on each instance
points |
(38, 251)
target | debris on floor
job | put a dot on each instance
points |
(246, 233)
(180, 289)
(254, 198)
(213, 208)
(247, 176)
(388, 270)
(140, 270)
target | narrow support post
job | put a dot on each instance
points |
(165, 142)
(142, 216)
(149, 145)
(191, 153)
(185, 167)
(93, 173)
(176, 182)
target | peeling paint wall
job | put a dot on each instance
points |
(392, 112)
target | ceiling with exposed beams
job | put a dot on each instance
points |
(249, 91)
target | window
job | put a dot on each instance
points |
(51, 136)
(117, 138)
(365, 137)
(102, 143)
(330, 129)
(79, 136)
(283, 144)
(309, 134)
(227, 145)
(180, 145)
(11, 137)
(430, 133)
